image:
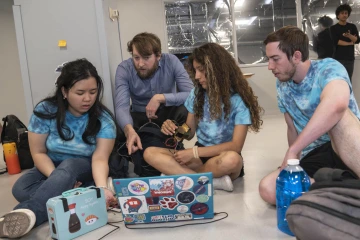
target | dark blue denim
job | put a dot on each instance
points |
(33, 189)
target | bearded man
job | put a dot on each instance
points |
(157, 85)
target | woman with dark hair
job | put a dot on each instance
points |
(222, 108)
(71, 136)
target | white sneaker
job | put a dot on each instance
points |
(223, 183)
(110, 185)
(17, 223)
(162, 174)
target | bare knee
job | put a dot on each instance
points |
(150, 154)
(267, 189)
(231, 160)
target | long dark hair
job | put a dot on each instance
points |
(71, 73)
(224, 78)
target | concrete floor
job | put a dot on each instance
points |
(249, 217)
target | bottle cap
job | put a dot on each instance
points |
(293, 161)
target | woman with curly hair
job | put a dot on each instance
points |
(222, 108)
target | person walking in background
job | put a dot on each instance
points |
(71, 136)
(345, 35)
(322, 43)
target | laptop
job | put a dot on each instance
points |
(165, 198)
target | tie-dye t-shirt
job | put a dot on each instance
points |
(211, 132)
(301, 100)
(58, 149)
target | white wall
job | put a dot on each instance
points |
(113, 39)
(12, 100)
(134, 18)
(356, 81)
(141, 16)
(263, 84)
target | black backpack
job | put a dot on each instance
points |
(330, 210)
(16, 131)
(150, 136)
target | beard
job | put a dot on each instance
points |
(289, 74)
(150, 72)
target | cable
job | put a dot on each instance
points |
(110, 223)
(182, 225)
(112, 210)
(116, 228)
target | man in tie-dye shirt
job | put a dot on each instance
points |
(318, 103)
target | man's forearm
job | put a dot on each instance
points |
(323, 120)
(343, 43)
(176, 99)
(127, 129)
(160, 98)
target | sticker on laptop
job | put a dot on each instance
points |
(125, 191)
(139, 218)
(202, 198)
(128, 219)
(162, 187)
(185, 197)
(183, 216)
(152, 200)
(154, 208)
(199, 208)
(199, 189)
(138, 187)
(168, 203)
(162, 218)
(133, 204)
(203, 180)
(184, 183)
(182, 209)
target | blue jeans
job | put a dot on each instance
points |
(33, 189)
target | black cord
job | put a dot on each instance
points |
(116, 228)
(110, 223)
(182, 225)
(112, 210)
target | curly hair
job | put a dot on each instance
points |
(224, 78)
(343, 7)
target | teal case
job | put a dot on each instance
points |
(76, 212)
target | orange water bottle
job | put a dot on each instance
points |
(11, 158)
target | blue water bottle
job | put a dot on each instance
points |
(291, 183)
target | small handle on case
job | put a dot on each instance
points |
(98, 191)
(69, 192)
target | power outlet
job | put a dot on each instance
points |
(113, 14)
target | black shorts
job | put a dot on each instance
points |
(320, 157)
(205, 159)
